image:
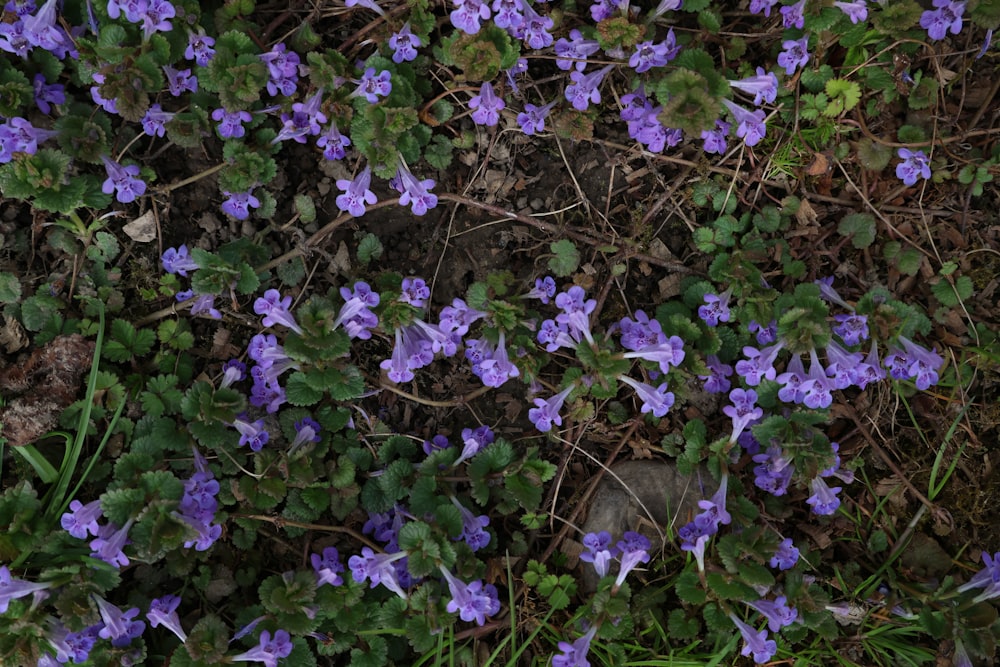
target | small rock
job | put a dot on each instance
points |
(537, 204)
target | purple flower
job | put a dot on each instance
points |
(251, 433)
(305, 120)
(823, 500)
(327, 567)
(473, 532)
(180, 80)
(268, 650)
(163, 611)
(373, 86)
(306, 430)
(356, 193)
(11, 588)
(573, 52)
(473, 441)
(509, 14)
(82, 519)
(274, 308)
(717, 381)
(774, 472)
(915, 363)
(532, 119)
(496, 368)
(857, 11)
(987, 579)
(843, 365)
(333, 143)
(715, 140)
(468, 15)
(584, 88)
(743, 411)
(13, 39)
(546, 412)
(762, 7)
(41, 30)
(757, 643)
(914, 165)
(649, 55)
(817, 386)
(75, 646)
(716, 308)
(534, 30)
(368, 4)
(575, 654)
(750, 124)
(355, 315)
(238, 204)
(794, 55)
(669, 352)
(413, 192)
(764, 335)
(414, 292)
(404, 44)
(763, 86)
(124, 181)
(947, 17)
(46, 95)
(656, 400)
(436, 444)
(544, 289)
(233, 371)
(378, 569)
(231, 122)
(486, 106)
(759, 364)
(852, 328)
(474, 601)
(599, 551)
(792, 15)
(199, 48)
(282, 69)
(203, 303)
(155, 120)
(576, 312)
(155, 15)
(786, 556)
(603, 9)
(634, 549)
(776, 611)
(119, 627)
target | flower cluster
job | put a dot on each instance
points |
(198, 506)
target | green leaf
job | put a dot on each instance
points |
(860, 227)
(369, 248)
(688, 588)
(10, 288)
(567, 257)
(844, 96)
(39, 311)
(680, 626)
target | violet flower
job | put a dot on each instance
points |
(763, 86)
(786, 556)
(762, 7)
(649, 55)
(155, 15)
(333, 143)
(794, 55)
(486, 106)
(717, 381)
(473, 441)
(109, 543)
(269, 650)
(124, 181)
(988, 579)
(715, 139)
(473, 526)
(546, 412)
(404, 44)
(508, 14)
(468, 15)
(274, 308)
(306, 430)
(119, 627)
(544, 289)
(716, 308)
(824, 500)
(163, 611)
(238, 204)
(792, 16)
(233, 371)
(12, 589)
(776, 611)
(378, 569)
(180, 81)
(373, 86)
(82, 519)
(413, 192)
(914, 165)
(356, 193)
(750, 125)
(851, 328)
(573, 52)
(756, 643)
(743, 411)
(199, 48)
(251, 433)
(668, 353)
(45, 94)
(575, 654)
(599, 551)
(857, 11)
(473, 601)
(327, 567)
(576, 313)
(534, 30)
(458, 317)
(155, 121)
(367, 4)
(774, 472)
(655, 400)
(231, 122)
(415, 292)
(759, 364)
(945, 18)
(584, 88)
(634, 549)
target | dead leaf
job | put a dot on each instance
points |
(818, 534)
(342, 260)
(12, 336)
(142, 229)
(806, 215)
(820, 165)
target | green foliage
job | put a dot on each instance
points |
(369, 248)
(566, 257)
(859, 227)
(480, 56)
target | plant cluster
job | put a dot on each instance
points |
(213, 461)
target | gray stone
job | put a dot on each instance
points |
(644, 496)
